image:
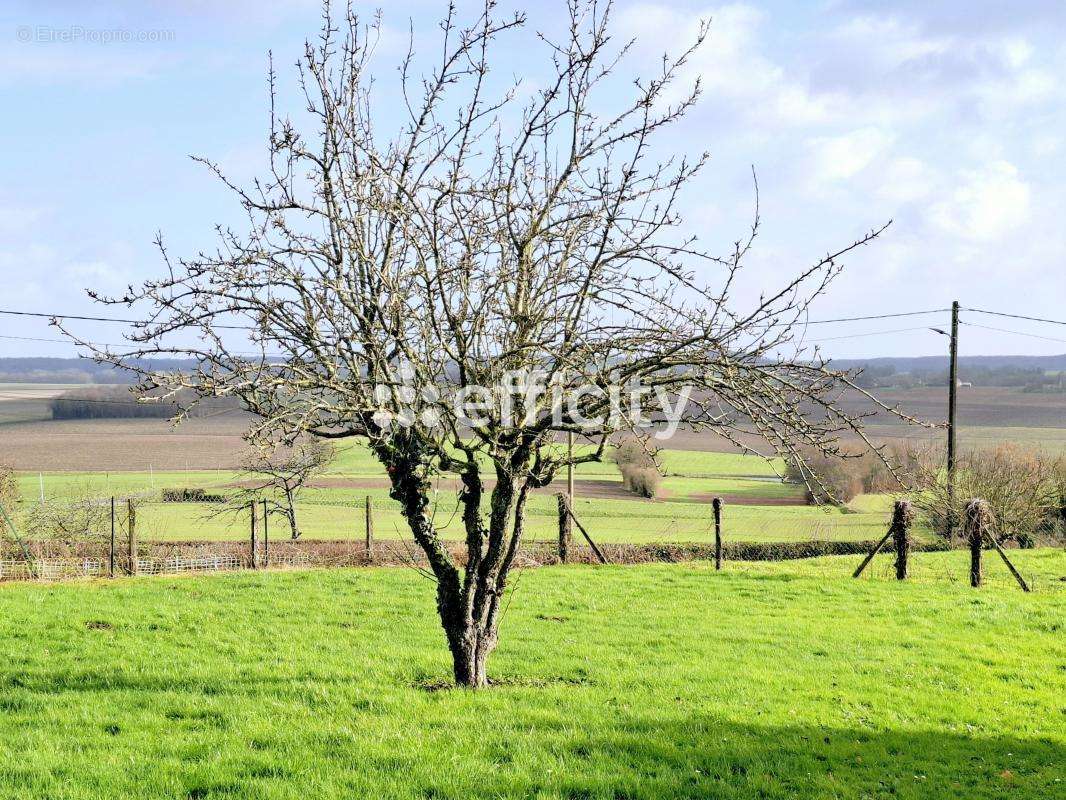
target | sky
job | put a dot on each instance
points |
(946, 118)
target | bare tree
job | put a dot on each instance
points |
(277, 476)
(486, 237)
(80, 516)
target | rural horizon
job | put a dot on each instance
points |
(581, 399)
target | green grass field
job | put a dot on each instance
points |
(682, 513)
(778, 680)
(606, 520)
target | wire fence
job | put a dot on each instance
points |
(68, 568)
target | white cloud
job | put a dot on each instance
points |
(731, 65)
(987, 204)
(837, 158)
(906, 180)
(889, 41)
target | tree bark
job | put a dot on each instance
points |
(470, 645)
(468, 597)
(290, 514)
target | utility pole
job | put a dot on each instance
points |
(953, 386)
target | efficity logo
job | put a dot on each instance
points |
(524, 396)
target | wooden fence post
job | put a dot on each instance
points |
(979, 524)
(977, 520)
(901, 522)
(266, 537)
(897, 531)
(1017, 575)
(254, 560)
(369, 528)
(716, 504)
(565, 527)
(111, 553)
(131, 527)
(870, 556)
(599, 554)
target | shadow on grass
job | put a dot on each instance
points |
(617, 751)
(705, 758)
(682, 758)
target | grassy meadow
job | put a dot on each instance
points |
(759, 506)
(101, 458)
(766, 680)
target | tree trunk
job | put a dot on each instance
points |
(470, 651)
(290, 514)
(468, 596)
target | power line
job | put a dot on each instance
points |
(1016, 333)
(177, 349)
(126, 321)
(61, 341)
(84, 318)
(1016, 316)
(869, 333)
(878, 316)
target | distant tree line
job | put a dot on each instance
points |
(77, 370)
(120, 402)
(1033, 379)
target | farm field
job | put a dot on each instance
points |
(30, 440)
(142, 457)
(610, 682)
(28, 402)
(759, 507)
(607, 521)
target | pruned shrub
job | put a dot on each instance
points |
(642, 480)
(1024, 489)
(833, 480)
(640, 473)
(879, 477)
(838, 479)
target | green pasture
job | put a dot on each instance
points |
(770, 680)
(606, 520)
(681, 513)
(353, 458)
(63, 485)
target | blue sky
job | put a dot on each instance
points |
(948, 118)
